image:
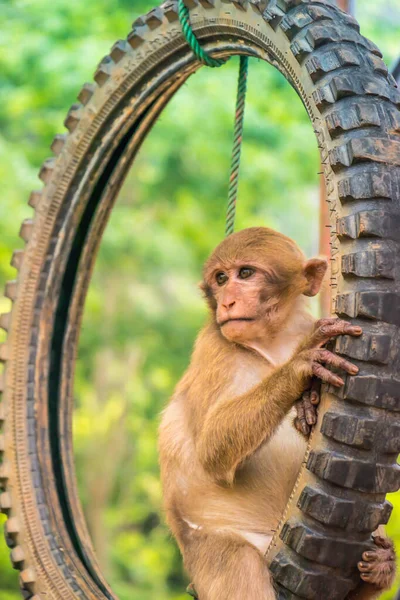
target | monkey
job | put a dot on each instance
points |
(230, 447)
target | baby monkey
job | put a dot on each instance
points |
(229, 452)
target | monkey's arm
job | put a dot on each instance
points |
(235, 427)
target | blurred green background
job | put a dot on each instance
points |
(144, 309)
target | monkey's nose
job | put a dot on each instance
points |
(229, 304)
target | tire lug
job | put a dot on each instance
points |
(154, 18)
(5, 320)
(28, 579)
(11, 531)
(4, 352)
(119, 50)
(17, 557)
(73, 117)
(5, 502)
(11, 290)
(17, 258)
(58, 143)
(5, 470)
(46, 170)
(26, 230)
(34, 198)
(135, 39)
(103, 71)
(86, 93)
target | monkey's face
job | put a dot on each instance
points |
(245, 298)
(253, 280)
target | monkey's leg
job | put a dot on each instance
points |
(225, 567)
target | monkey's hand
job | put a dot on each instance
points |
(306, 409)
(378, 566)
(310, 356)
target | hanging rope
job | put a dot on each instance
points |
(208, 60)
(237, 146)
(191, 39)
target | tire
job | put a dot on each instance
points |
(353, 105)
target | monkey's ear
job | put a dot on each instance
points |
(314, 272)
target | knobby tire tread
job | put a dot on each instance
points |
(351, 463)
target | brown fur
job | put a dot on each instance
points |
(229, 453)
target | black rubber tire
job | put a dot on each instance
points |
(353, 105)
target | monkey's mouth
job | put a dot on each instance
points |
(238, 319)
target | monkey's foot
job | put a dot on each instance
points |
(378, 566)
(307, 409)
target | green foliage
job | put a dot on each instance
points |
(143, 308)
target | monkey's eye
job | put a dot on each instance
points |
(245, 272)
(221, 278)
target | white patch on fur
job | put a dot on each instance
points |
(260, 540)
(193, 525)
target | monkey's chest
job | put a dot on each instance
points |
(254, 505)
(265, 484)
(274, 467)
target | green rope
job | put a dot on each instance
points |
(208, 60)
(192, 40)
(237, 145)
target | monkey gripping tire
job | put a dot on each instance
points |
(353, 105)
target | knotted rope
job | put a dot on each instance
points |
(208, 60)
